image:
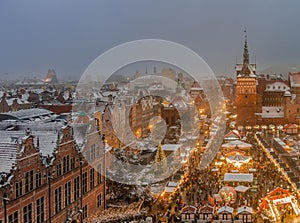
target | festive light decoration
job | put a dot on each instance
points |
(228, 194)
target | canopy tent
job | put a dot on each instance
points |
(237, 144)
(241, 188)
(238, 160)
(171, 187)
(234, 151)
(232, 135)
(238, 177)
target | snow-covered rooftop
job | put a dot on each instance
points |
(9, 143)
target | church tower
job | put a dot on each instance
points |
(246, 92)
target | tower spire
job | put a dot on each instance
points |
(246, 52)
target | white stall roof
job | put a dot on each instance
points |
(169, 189)
(238, 177)
(245, 208)
(170, 147)
(225, 209)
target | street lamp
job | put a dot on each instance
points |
(81, 186)
(68, 220)
(5, 200)
(49, 177)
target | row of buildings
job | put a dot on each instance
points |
(265, 99)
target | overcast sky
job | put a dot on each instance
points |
(68, 35)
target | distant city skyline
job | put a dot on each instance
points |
(67, 36)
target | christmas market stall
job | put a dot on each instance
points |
(277, 203)
(225, 213)
(205, 213)
(245, 214)
(188, 213)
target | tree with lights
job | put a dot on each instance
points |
(160, 161)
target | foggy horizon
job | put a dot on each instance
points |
(67, 36)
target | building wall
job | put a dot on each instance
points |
(74, 167)
(246, 99)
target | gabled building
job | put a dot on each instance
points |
(47, 176)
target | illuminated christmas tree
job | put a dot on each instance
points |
(160, 161)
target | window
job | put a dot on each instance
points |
(84, 213)
(93, 152)
(84, 183)
(58, 169)
(28, 181)
(76, 188)
(66, 162)
(40, 210)
(68, 193)
(72, 163)
(64, 165)
(27, 214)
(13, 218)
(99, 178)
(58, 205)
(38, 179)
(92, 178)
(88, 154)
(99, 200)
(19, 189)
(98, 151)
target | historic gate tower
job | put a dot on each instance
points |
(246, 92)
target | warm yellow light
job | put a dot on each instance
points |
(201, 110)
(138, 133)
(150, 127)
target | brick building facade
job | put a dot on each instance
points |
(265, 99)
(50, 177)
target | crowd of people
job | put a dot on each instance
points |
(198, 187)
